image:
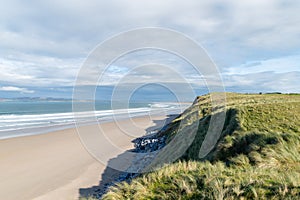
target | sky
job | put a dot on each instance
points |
(43, 44)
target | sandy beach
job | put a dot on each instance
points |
(56, 165)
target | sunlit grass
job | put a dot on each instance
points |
(257, 157)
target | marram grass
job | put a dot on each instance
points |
(257, 156)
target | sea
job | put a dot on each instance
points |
(22, 118)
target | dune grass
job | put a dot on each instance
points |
(257, 156)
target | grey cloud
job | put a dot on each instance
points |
(74, 27)
(45, 42)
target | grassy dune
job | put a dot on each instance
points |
(256, 157)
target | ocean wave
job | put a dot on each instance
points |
(16, 124)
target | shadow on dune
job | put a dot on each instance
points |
(112, 176)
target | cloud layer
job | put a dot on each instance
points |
(16, 89)
(254, 43)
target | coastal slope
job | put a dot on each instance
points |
(256, 157)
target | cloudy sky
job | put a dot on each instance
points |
(43, 44)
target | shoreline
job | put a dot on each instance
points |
(37, 130)
(56, 165)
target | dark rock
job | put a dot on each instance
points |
(145, 144)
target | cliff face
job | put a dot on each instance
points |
(256, 156)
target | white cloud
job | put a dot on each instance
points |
(265, 81)
(277, 65)
(43, 43)
(277, 74)
(16, 89)
(38, 70)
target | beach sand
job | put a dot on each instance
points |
(56, 165)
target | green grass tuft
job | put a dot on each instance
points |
(257, 156)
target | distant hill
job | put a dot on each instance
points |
(256, 157)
